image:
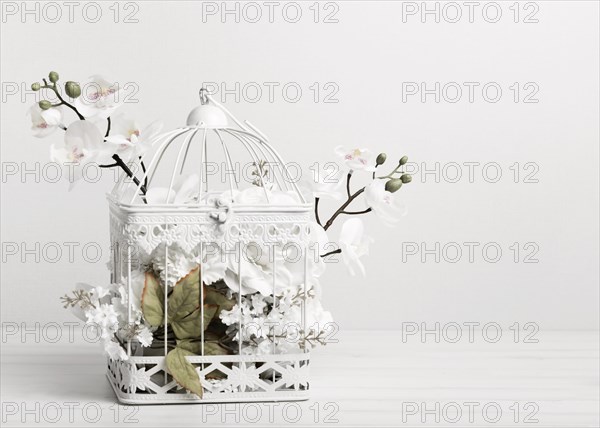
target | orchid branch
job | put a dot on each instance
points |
(317, 212)
(128, 171)
(120, 163)
(339, 250)
(144, 171)
(393, 185)
(368, 210)
(348, 183)
(342, 208)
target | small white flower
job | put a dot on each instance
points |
(354, 244)
(356, 159)
(217, 385)
(99, 292)
(265, 347)
(174, 267)
(232, 316)
(130, 140)
(259, 327)
(134, 378)
(45, 122)
(105, 317)
(382, 202)
(144, 336)
(258, 303)
(243, 377)
(114, 350)
(99, 98)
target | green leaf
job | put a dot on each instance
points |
(183, 371)
(185, 298)
(153, 296)
(210, 336)
(216, 329)
(190, 327)
(213, 297)
(195, 346)
(214, 348)
(215, 374)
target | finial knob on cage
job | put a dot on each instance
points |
(207, 115)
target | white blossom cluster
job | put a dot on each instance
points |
(266, 325)
(108, 311)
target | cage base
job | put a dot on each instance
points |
(243, 397)
(292, 383)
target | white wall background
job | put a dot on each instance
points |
(367, 54)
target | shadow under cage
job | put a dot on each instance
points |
(190, 220)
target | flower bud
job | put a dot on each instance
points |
(53, 76)
(403, 160)
(381, 157)
(35, 86)
(393, 185)
(72, 89)
(406, 178)
(45, 104)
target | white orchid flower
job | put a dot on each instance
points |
(354, 244)
(257, 266)
(356, 159)
(129, 139)
(381, 202)
(84, 144)
(327, 181)
(257, 271)
(99, 98)
(45, 122)
(184, 191)
(253, 279)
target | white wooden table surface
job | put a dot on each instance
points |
(367, 379)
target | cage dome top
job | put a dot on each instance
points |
(215, 157)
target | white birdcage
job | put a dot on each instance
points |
(261, 206)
